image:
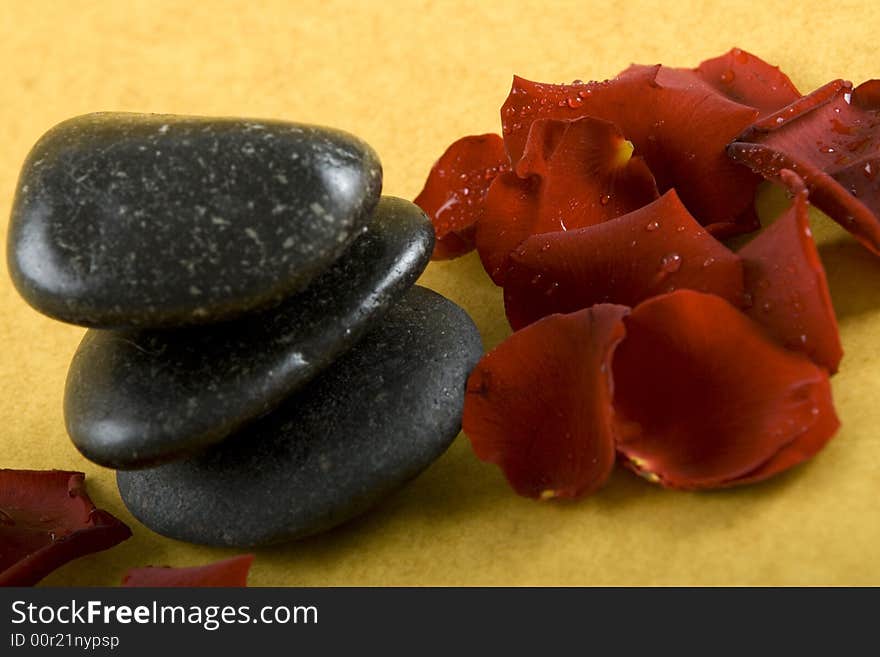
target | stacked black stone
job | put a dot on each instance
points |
(260, 366)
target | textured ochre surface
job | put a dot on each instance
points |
(409, 77)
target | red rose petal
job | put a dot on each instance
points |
(802, 448)
(706, 399)
(749, 80)
(456, 188)
(655, 249)
(229, 572)
(787, 284)
(572, 174)
(46, 520)
(679, 123)
(539, 405)
(831, 139)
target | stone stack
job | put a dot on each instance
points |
(259, 365)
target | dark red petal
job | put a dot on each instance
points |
(867, 95)
(572, 174)
(677, 122)
(706, 399)
(539, 405)
(749, 80)
(831, 139)
(46, 520)
(655, 249)
(787, 285)
(456, 188)
(229, 572)
(802, 448)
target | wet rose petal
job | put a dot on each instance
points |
(650, 251)
(787, 286)
(705, 399)
(572, 174)
(802, 448)
(831, 139)
(539, 405)
(229, 572)
(749, 80)
(46, 520)
(456, 188)
(678, 122)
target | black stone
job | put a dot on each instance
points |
(138, 398)
(365, 426)
(150, 220)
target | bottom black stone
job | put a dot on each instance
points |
(374, 420)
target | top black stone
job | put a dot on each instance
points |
(134, 220)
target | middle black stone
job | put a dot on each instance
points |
(139, 398)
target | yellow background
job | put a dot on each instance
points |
(410, 77)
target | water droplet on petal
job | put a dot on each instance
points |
(605, 199)
(654, 225)
(670, 263)
(727, 76)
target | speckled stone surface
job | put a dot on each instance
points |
(149, 220)
(138, 398)
(365, 426)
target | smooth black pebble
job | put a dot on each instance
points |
(372, 421)
(151, 220)
(139, 398)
